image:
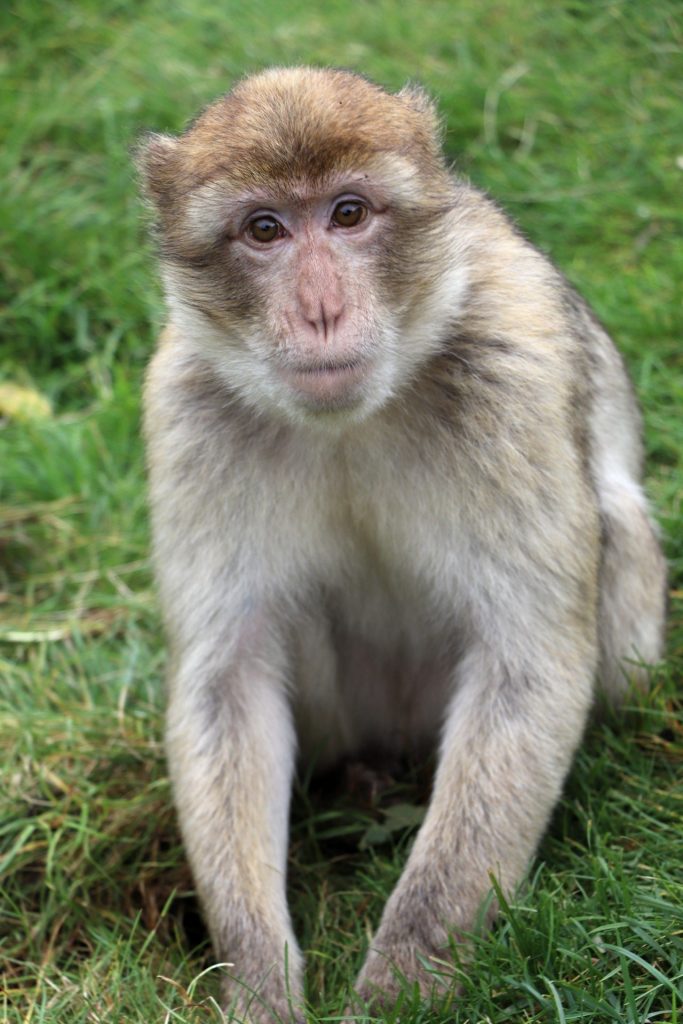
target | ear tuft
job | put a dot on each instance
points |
(421, 102)
(156, 160)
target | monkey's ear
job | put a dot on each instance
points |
(156, 158)
(420, 100)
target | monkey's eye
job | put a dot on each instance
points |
(348, 213)
(265, 229)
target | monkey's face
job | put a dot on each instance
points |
(320, 325)
(301, 298)
(300, 231)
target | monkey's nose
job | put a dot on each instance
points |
(320, 298)
(325, 322)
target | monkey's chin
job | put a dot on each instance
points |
(321, 389)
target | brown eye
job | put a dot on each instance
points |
(265, 229)
(348, 213)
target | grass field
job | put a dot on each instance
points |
(570, 114)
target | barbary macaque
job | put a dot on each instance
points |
(395, 469)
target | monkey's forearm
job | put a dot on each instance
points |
(505, 753)
(231, 749)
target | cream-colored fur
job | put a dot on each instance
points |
(450, 560)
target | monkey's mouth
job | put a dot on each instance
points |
(326, 382)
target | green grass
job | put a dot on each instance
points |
(570, 114)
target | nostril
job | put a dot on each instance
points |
(326, 322)
(321, 314)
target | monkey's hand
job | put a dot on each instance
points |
(268, 999)
(386, 975)
(411, 947)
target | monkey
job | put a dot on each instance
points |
(395, 469)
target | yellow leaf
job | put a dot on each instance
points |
(23, 404)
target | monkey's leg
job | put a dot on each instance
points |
(231, 750)
(508, 742)
(632, 592)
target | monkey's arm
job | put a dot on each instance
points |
(230, 738)
(522, 692)
(506, 748)
(231, 748)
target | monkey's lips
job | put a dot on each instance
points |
(326, 384)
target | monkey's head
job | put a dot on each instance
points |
(305, 229)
